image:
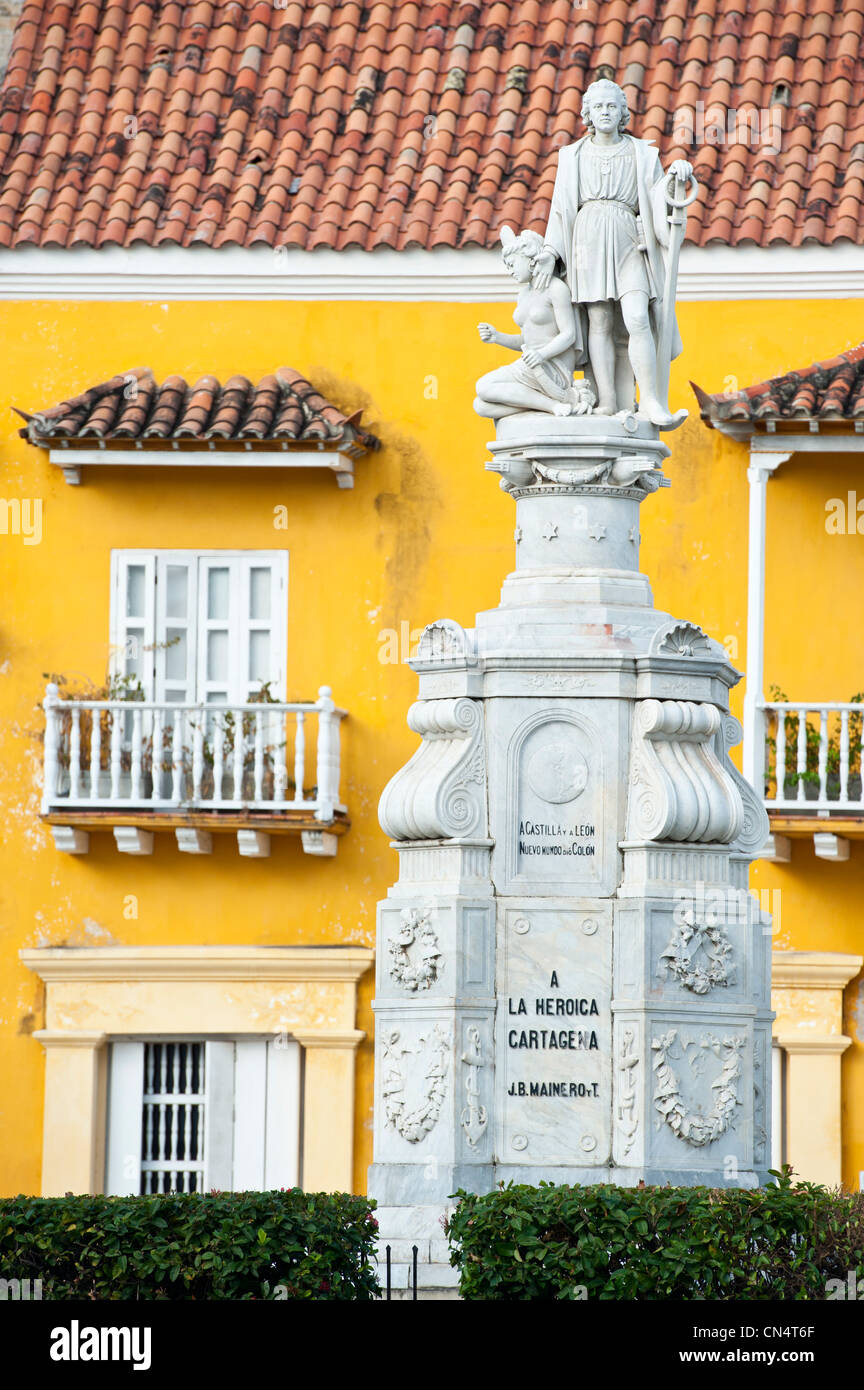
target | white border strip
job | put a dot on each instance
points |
(445, 276)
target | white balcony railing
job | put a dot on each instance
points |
(143, 755)
(811, 755)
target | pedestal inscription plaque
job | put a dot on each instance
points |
(554, 1031)
(555, 791)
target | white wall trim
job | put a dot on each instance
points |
(195, 963)
(446, 276)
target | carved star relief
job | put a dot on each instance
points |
(550, 531)
(633, 534)
(597, 532)
(517, 534)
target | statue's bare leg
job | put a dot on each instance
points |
(643, 357)
(506, 397)
(494, 412)
(625, 382)
(601, 351)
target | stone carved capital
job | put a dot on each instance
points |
(679, 790)
(441, 793)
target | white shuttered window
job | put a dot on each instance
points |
(200, 626)
(188, 1115)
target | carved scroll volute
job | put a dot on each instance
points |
(441, 793)
(679, 790)
(755, 826)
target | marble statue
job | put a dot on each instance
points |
(542, 378)
(615, 228)
(573, 980)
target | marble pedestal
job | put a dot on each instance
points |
(573, 982)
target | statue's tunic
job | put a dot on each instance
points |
(609, 261)
(579, 257)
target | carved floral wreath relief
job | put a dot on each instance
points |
(414, 1111)
(699, 955)
(415, 956)
(694, 1126)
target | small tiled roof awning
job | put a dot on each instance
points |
(134, 410)
(826, 391)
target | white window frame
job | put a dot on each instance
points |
(198, 562)
(252, 1113)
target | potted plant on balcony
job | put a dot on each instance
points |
(126, 688)
(809, 778)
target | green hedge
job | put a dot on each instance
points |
(243, 1245)
(784, 1241)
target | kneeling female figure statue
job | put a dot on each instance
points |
(542, 378)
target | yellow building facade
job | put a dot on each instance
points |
(105, 947)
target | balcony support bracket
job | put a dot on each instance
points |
(131, 840)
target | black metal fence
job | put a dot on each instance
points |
(413, 1284)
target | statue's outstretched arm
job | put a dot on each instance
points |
(490, 334)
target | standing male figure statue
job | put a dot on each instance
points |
(607, 225)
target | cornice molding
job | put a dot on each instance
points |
(102, 964)
(818, 1046)
(473, 275)
(813, 969)
(59, 1037)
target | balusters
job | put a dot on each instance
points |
(801, 767)
(136, 755)
(116, 751)
(198, 752)
(299, 757)
(177, 756)
(259, 755)
(52, 759)
(174, 742)
(823, 755)
(780, 794)
(844, 755)
(328, 775)
(218, 757)
(95, 750)
(237, 793)
(75, 755)
(156, 757)
(280, 756)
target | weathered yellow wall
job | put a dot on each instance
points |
(424, 534)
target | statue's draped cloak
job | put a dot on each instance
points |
(650, 180)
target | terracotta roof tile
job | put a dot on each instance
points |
(428, 124)
(131, 406)
(829, 390)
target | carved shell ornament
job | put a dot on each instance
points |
(414, 1117)
(685, 639)
(418, 968)
(699, 955)
(695, 1126)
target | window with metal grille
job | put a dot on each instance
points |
(172, 1119)
(190, 1115)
